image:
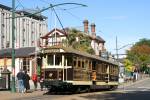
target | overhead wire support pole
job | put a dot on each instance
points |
(116, 48)
(13, 86)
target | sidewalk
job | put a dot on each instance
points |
(8, 95)
(129, 83)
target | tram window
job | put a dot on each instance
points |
(93, 65)
(58, 60)
(50, 60)
(79, 64)
(90, 64)
(74, 63)
(69, 61)
(82, 64)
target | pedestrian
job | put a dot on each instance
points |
(34, 79)
(135, 75)
(41, 82)
(20, 77)
(26, 81)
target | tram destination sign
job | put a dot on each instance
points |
(51, 50)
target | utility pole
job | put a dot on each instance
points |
(13, 87)
(116, 49)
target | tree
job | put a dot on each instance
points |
(140, 54)
(128, 65)
(80, 41)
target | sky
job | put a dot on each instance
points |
(128, 20)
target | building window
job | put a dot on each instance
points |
(7, 44)
(26, 64)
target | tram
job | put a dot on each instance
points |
(66, 69)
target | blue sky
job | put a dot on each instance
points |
(129, 20)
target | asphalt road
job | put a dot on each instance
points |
(135, 91)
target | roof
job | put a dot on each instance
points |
(5, 7)
(73, 51)
(100, 39)
(61, 31)
(30, 13)
(21, 52)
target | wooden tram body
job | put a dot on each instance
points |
(66, 69)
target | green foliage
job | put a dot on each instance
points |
(83, 43)
(140, 53)
(143, 42)
(128, 65)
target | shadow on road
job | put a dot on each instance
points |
(135, 95)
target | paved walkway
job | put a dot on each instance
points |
(129, 83)
(8, 95)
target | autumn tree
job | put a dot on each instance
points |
(140, 53)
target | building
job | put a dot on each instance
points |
(97, 42)
(28, 29)
(57, 36)
(23, 60)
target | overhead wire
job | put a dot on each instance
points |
(19, 3)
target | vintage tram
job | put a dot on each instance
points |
(66, 69)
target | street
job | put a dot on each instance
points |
(139, 90)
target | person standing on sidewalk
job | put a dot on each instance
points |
(41, 82)
(20, 77)
(34, 79)
(26, 81)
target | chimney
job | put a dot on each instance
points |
(93, 28)
(86, 29)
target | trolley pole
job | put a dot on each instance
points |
(13, 87)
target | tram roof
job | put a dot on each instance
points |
(73, 51)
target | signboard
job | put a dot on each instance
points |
(51, 50)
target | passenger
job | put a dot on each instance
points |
(20, 76)
(26, 81)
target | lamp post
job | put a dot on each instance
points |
(13, 87)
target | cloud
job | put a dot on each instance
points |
(117, 17)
